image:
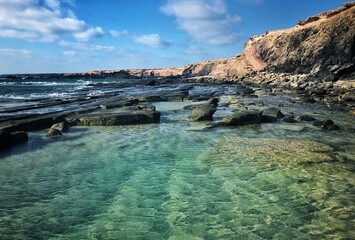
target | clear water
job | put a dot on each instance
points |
(166, 181)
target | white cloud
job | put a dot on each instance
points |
(15, 52)
(151, 40)
(204, 20)
(48, 22)
(69, 53)
(89, 34)
(123, 33)
(85, 46)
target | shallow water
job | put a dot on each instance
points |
(166, 181)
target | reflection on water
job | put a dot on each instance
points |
(161, 181)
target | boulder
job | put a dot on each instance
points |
(121, 118)
(54, 132)
(9, 139)
(204, 112)
(271, 115)
(243, 117)
(62, 126)
(326, 124)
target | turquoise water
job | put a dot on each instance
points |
(168, 181)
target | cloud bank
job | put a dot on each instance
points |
(149, 40)
(45, 21)
(204, 20)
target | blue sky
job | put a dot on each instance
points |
(38, 36)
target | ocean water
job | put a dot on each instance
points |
(173, 181)
(32, 89)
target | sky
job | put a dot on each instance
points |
(53, 36)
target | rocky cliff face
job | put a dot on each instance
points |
(322, 45)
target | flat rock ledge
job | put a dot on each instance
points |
(121, 118)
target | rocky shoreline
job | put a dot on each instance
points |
(121, 108)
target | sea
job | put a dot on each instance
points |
(176, 179)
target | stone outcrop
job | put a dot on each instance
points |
(204, 112)
(242, 117)
(121, 118)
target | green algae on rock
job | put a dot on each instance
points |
(281, 151)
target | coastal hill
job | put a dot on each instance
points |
(321, 45)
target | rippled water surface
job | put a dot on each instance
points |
(168, 181)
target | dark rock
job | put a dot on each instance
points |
(318, 123)
(308, 99)
(141, 107)
(326, 124)
(152, 82)
(9, 139)
(177, 96)
(332, 127)
(73, 122)
(306, 118)
(243, 117)
(122, 118)
(54, 132)
(152, 98)
(204, 112)
(349, 98)
(271, 115)
(289, 119)
(119, 104)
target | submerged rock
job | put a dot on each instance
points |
(289, 119)
(9, 139)
(54, 132)
(271, 114)
(306, 118)
(242, 117)
(279, 151)
(326, 124)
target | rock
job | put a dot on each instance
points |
(349, 98)
(289, 119)
(152, 98)
(326, 125)
(271, 115)
(9, 139)
(73, 122)
(177, 96)
(306, 118)
(204, 112)
(119, 104)
(152, 82)
(243, 117)
(121, 118)
(54, 132)
(308, 99)
(62, 126)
